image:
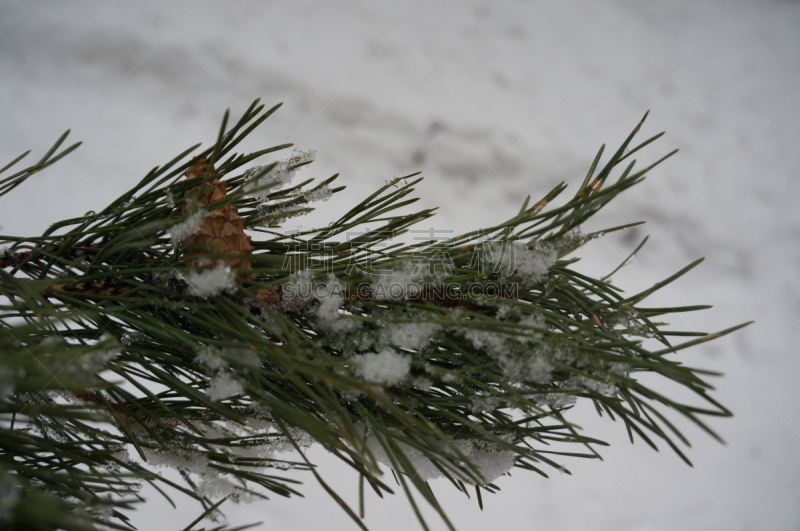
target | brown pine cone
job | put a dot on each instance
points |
(221, 231)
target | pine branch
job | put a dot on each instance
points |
(157, 333)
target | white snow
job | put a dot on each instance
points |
(450, 377)
(278, 176)
(209, 357)
(520, 259)
(323, 193)
(410, 335)
(270, 323)
(492, 101)
(210, 282)
(481, 403)
(423, 384)
(192, 462)
(387, 366)
(398, 284)
(492, 460)
(330, 297)
(328, 312)
(519, 363)
(224, 385)
(276, 216)
(533, 320)
(88, 364)
(492, 342)
(187, 227)
(424, 467)
(218, 486)
(556, 400)
(592, 384)
(527, 367)
(299, 290)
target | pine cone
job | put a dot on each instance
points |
(221, 231)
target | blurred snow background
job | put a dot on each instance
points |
(491, 101)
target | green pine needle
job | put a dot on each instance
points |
(118, 358)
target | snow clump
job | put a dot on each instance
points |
(387, 367)
(520, 260)
(298, 290)
(331, 297)
(412, 336)
(263, 180)
(491, 459)
(323, 193)
(398, 285)
(186, 228)
(223, 386)
(210, 358)
(210, 282)
(556, 400)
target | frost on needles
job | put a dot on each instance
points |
(190, 333)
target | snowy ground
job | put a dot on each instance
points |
(492, 101)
